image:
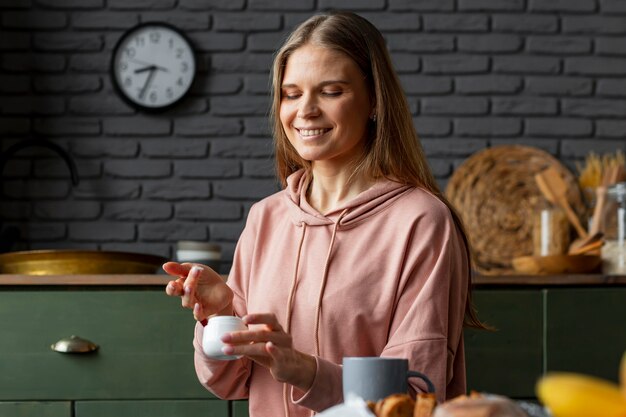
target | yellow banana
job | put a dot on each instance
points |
(575, 395)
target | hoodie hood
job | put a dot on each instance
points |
(349, 214)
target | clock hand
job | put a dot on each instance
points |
(144, 69)
(138, 61)
(142, 93)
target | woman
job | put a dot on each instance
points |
(359, 255)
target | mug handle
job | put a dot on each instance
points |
(429, 384)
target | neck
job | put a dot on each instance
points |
(330, 189)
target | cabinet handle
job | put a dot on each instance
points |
(74, 344)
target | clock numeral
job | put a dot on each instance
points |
(140, 41)
(170, 42)
(153, 96)
(179, 52)
(169, 93)
(130, 52)
(184, 67)
(155, 37)
(123, 65)
(180, 81)
(128, 82)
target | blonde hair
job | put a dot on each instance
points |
(392, 148)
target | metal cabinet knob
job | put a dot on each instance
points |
(74, 344)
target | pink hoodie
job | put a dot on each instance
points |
(383, 275)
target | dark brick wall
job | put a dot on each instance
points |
(546, 73)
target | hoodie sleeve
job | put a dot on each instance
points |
(229, 379)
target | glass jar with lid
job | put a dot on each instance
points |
(614, 249)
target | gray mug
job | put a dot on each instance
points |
(374, 378)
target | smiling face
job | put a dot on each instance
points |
(325, 105)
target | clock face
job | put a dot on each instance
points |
(153, 66)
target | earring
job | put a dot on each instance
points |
(374, 118)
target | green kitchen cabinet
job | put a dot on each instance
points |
(36, 409)
(240, 409)
(165, 408)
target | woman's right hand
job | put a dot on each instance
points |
(200, 288)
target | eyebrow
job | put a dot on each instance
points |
(322, 84)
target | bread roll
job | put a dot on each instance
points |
(396, 405)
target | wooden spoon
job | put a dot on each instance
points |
(590, 244)
(554, 189)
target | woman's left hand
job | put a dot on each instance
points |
(269, 345)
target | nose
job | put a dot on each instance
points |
(308, 107)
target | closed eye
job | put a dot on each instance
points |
(332, 93)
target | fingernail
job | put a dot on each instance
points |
(194, 271)
(226, 337)
(187, 290)
(228, 350)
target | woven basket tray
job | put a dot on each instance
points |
(496, 195)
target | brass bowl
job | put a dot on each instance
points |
(78, 262)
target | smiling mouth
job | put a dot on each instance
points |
(312, 132)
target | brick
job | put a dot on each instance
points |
(249, 21)
(259, 168)
(67, 83)
(42, 231)
(354, 5)
(607, 87)
(562, 6)
(405, 62)
(71, 4)
(257, 127)
(66, 210)
(208, 210)
(17, 168)
(279, 5)
(116, 148)
(562, 126)
(488, 84)
(212, 5)
(141, 4)
(422, 5)
(489, 5)
(456, 23)
(43, 105)
(393, 22)
(526, 23)
(425, 84)
(28, 189)
(102, 231)
(455, 64)
(14, 125)
(452, 147)
(241, 148)
(138, 168)
(611, 128)
(107, 189)
(524, 105)
(226, 231)
(427, 126)
(595, 24)
(207, 126)
(218, 42)
(565, 45)
(239, 105)
(493, 42)
(90, 63)
(184, 21)
(595, 66)
(103, 20)
(249, 62)
(559, 86)
(251, 189)
(440, 167)
(168, 148)
(613, 6)
(293, 19)
(581, 148)
(172, 231)
(208, 168)
(15, 210)
(68, 42)
(57, 168)
(17, 4)
(488, 126)
(137, 210)
(524, 64)
(137, 126)
(265, 42)
(14, 83)
(67, 126)
(34, 20)
(174, 190)
(99, 105)
(217, 84)
(33, 62)
(610, 46)
(14, 41)
(158, 249)
(258, 84)
(417, 42)
(189, 106)
(454, 105)
(592, 107)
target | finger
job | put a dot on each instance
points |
(257, 336)
(176, 269)
(269, 319)
(253, 350)
(198, 312)
(174, 288)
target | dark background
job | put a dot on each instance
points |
(478, 73)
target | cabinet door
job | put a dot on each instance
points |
(586, 330)
(36, 409)
(166, 408)
(507, 361)
(144, 339)
(240, 408)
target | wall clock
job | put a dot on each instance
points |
(153, 66)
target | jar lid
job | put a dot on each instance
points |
(195, 245)
(618, 191)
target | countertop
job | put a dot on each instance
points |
(479, 281)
